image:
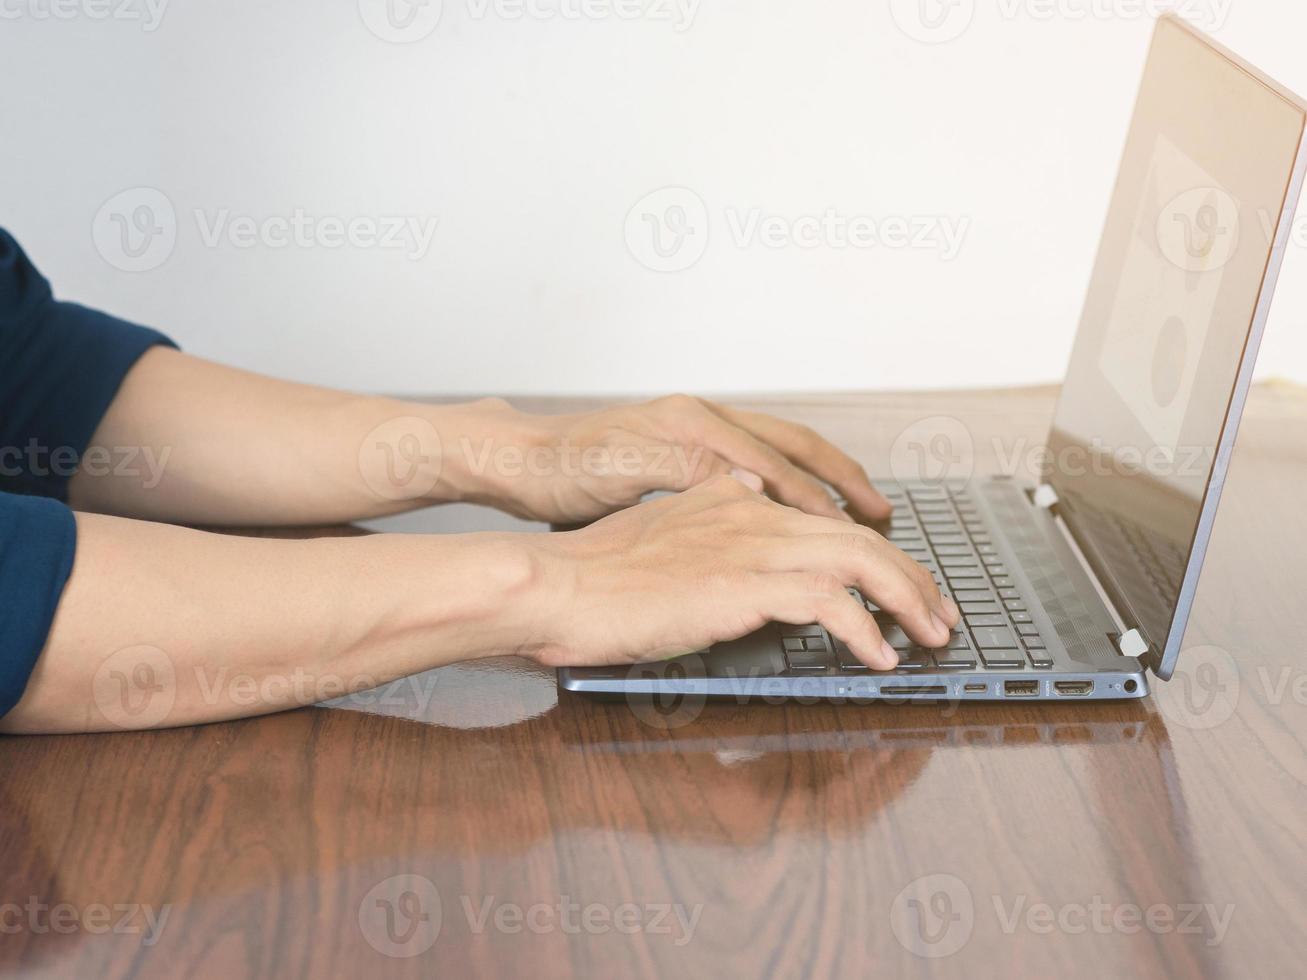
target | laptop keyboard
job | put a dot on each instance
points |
(940, 528)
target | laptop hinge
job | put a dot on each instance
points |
(1129, 641)
(1132, 644)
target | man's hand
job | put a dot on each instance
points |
(573, 468)
(680, 573)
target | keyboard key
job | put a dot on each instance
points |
(1021, 617)
(1039, 659)
(817, 644)
(978, 608)
(934, 536)
(952, 549)
(845, 659)
(1015, 605)
(807, 629)
(958, 561)
(1025, 629)
(1009, 594)
(956, 660)
(1033, 642)
(808, 660)
(793, 644)
(918, 658)
(984, 621)
(896, 638)
(994, 638)
(1003, 659)
(1003, 582)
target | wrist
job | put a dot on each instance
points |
(485, 453)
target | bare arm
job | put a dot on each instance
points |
(161, 625)
(190, 441)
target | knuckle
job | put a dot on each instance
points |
(680, 403)
(923, 577)
(899, 596)
(856, 544)
(825, 584)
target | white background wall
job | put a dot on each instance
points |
(529, 138)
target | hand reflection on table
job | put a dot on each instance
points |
(323, 802)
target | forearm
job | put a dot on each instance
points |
(190, 441)
(161, 626)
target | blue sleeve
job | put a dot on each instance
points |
(38, 538)
(60, 367)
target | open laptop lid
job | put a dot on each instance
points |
(1177, 301)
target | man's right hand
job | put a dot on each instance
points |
(714, 563)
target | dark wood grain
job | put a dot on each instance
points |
(791, 827)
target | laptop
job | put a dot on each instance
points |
(1080, 585)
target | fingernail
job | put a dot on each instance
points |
(750, 479)
(891, 655)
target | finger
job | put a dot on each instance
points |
(649, 465)
(805, 448)
(857, 561)
(943, 607)
(806, 597)
(750, 479)
(783, 480)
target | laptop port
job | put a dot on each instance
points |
(975, 688)
(1020, 689)
(1073, 689)
(907, 690)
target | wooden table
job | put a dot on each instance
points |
(550, 836)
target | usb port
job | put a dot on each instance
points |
(1073, 689)
(974, 688)
(1020, 689)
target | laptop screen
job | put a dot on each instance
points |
(1170, 325)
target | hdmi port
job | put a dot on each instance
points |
(1021, 689)
(1073, 689)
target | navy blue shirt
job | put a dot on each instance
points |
(60, 367)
